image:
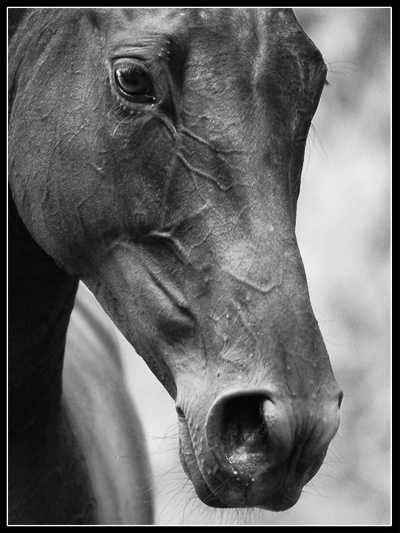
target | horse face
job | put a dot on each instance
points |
(160, 162)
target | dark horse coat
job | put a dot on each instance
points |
(156, 155)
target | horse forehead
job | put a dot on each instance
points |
(226, 24)
(176, 19)
(150, 20)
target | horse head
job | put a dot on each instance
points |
(156, 154)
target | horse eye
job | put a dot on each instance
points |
(133, 83)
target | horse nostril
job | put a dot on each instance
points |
(245, 438)
(258, 439)
(240, 431)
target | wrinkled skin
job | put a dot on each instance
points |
(179, 214)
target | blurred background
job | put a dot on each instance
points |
(344, 235)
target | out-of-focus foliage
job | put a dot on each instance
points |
(344, 235)
(344, 225)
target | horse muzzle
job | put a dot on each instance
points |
(256, 450)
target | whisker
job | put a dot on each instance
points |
(119, 124)
(340, 67)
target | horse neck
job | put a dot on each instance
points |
(41, 298)
(41, 445)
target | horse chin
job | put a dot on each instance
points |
(282, 502)
(279, 498)
(203, 491)
(190, 466)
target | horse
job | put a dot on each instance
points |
(156, 155)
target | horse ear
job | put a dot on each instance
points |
(15, 15)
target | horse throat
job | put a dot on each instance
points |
(42, 449)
